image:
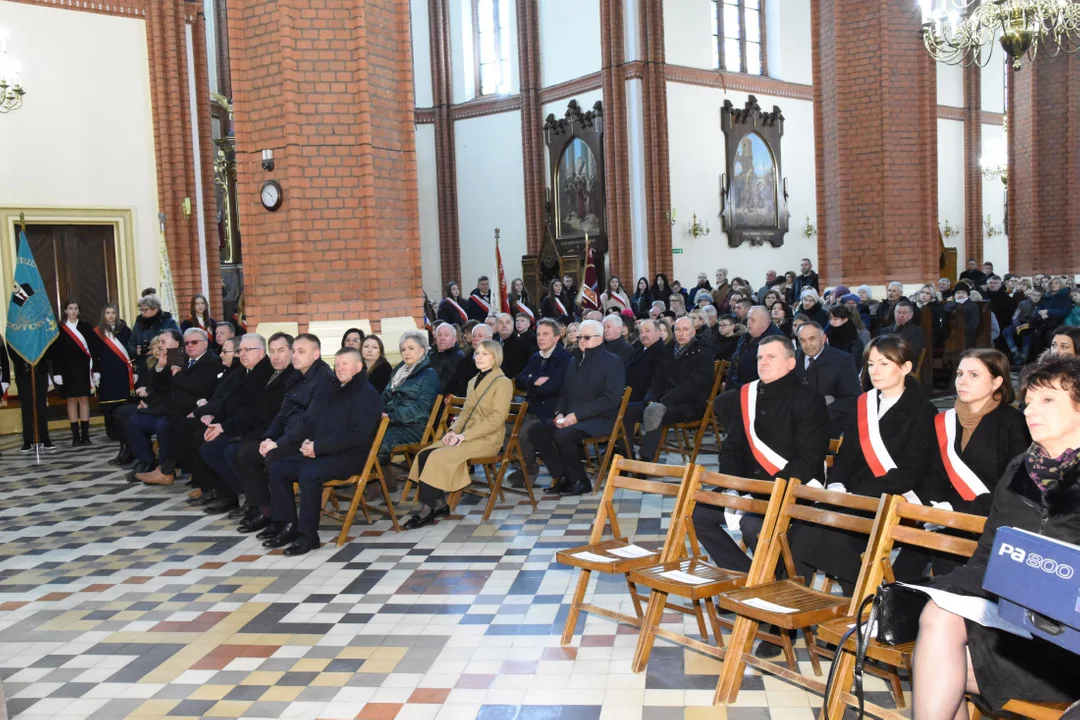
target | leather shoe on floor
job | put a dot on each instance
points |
(766, 650)
(283, 538)
(255, 524)
(138, 467)
(221, 506)
(444, 511)
(270, 530)
(553, 489)
(156, 477)
(239, 512)
(303, 545)
(196, 493)
(418, 522)
(202, 499)
(577, 488)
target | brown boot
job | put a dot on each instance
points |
(196, 493)
(156, 477)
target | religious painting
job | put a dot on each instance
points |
(753, 192)
(579, 204)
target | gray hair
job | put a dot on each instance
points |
(593, 325)
(235, 342)
(709, 310)
(501, 315)
(759, 309)
(420, 338)
(197, 331)
(897, 283)
(150, 301)
(659, 304)
(614, 320)
(448, 327)
(484, 330)
(255, 337)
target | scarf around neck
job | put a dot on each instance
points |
(969, 420)
(1047, 472)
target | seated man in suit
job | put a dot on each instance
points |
(894, 294)
(336, 447)
(759, 325)
(615, 343)
(679, 395)
(542, 381)
(649, 363)
(446, 355)
(176, 391)
(905, 327)
(586, 408)
(831, 372)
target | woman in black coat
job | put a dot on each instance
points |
(661, 290)
(843, 333)
(810, 306)
(892, 458)
(1038, 492)
(642, 299)
(554, 305)
(378, 367)
(75, 366)
(117, 374)
(782, 318)
(452, 308)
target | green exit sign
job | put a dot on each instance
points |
(676, 251)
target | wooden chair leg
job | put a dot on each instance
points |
(408, 487)
(714, 620)
(493, 494)
(811, 644)
(700, 616)
(897, 689)
(386, 497)
(655, 610)
(575, 607)
(660, 445)
(634, 596)
(452, 500)
(834, 705)
(789, 651)
(734, 667)
(346, 524)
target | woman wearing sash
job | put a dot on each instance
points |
(74, 367)
(199, 317)
(452, 308)
(887, 450)
(614, 296)
(117, 375)
(554, 305)
(520, 300)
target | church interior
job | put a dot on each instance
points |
(313, 166)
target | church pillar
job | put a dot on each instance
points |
(875, 128)
(655, 125)
(1044, 166)
(616, 141)
(973, 182)
(330, 93)
(445, 152)
(532, 125)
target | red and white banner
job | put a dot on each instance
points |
(768, 458)
(504, 300)
(966, 482)
(587, 297)
(77, 337)
(873, 447)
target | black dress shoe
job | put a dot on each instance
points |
(255, 524)
(283, 538)
(418, 522)
(221, 506)
(203, 500)
(239, 512)
(444, 511)
(579, 487)
(270, 530)
(553, 489)
(767, 650)
(190, 483)
(303, 545)
(139, 467)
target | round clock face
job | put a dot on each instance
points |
(271, 195)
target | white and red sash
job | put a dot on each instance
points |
(118, 350)
(966, 482)
(484, 304)
(768, 458)
(617, 297)
(522, 307)
(562, 308)
(77, 337)
(464, 315)
(873, 447)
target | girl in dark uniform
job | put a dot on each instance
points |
(74, 368)
(117, 376)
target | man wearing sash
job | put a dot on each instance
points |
(479, 305)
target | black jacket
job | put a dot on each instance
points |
(623, 350)
(884, 310)
(593, 391)
(972, 317)
(542, 398)
(517, 349)
(744, 362)
(939, 322)
(803, 282)
(1000, 436)
(144, 330)
(237, 414)
(706, 338)
(115, 386)
(686, 381)
(304, 400)
(915, 336)
(445, 364)
(647, 368)
(724, 346)
(380, 375)
(228, 379)
(787, 421)
(833, 373)
(252, 425)
(1002, 305)
(549, 309)
(347, 422)
(177, 395)
(474, 309)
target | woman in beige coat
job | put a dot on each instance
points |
(477, 432)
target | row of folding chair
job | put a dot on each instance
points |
(679, 570)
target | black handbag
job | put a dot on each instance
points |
(893, 619)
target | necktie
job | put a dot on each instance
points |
(190, 363)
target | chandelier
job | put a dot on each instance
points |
(11, 92)
(963, 34)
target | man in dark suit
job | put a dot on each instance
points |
(904, 314)
(744, 362)
(894, 294)
(680, 393)
(479, 304)
(586, 408)
(831, 372)
(615, 343)
(647, 366)
(335, 448)
(446, 355)
(175, 392)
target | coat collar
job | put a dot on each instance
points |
(488, 379)
(1060, 500)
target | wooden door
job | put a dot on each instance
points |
(76, 261)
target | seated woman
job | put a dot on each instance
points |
(378, 367)
(781, 318)
(478, 431)
(1065, 341)
(1038, 492)
(408, 398)
(843, 333)
(354, 338)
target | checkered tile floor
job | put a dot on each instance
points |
(119, 601)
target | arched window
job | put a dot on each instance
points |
(738, 36)
(491, 46)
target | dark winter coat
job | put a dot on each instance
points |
(347, 421)
(251, 423)
(593, 391)
(744, 361)
(305, 398)
(409, 404)
(143, 330)
(833, 373)
(116, 383)
(686, 381)
(177, 395)
(647, 367)
(71, 363)
(238, 414)
(445, 364)
(543, 398)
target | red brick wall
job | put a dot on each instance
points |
(445, 151)
(973, 182)
(327, 84)
(616, 141)
(655, 125)
(876, 142)
(1044, 166)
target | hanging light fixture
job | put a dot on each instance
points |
(11, 91)
(962, 32)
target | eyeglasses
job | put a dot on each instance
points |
(251, 349)
(588, 337)
(193, 342)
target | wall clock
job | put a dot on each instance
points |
(271, 195)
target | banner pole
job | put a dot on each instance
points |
(33, 406)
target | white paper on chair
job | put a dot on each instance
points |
(768, 606)
(680, 576)
(631, 551)
(591, 557)
(976, 609)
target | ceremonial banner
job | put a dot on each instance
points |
(31, 325)
(166, 289)
(587, 297)
(504, 299)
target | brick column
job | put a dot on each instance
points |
(616, 141)
(875, 131)
(658, 173)
(532, 125)
(1044, 166)
(445, 153)
(973, 182)
(327, 86)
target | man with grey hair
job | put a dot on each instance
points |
(894, 293)
(657, 309)
(446, 355)
(466, 369)
(615, 343)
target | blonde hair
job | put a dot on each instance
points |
(496, 350)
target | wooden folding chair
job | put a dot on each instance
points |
(605, 517)
(594, 443)
(686, 447)
(359, 483)
(834, 447)
(697, 563)
(802, 606)
(497, 466)
(896, 527)
(714, 426)
(410, 450)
